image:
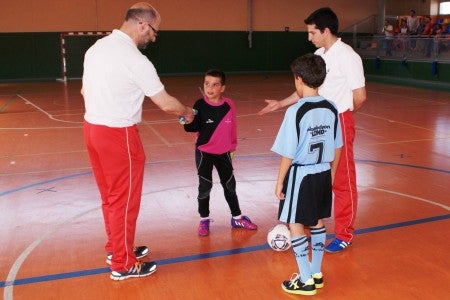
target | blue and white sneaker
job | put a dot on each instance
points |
(337, 245)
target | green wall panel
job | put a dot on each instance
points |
(30, 56)
(37, 56)
(410, 73)
(178, 52)
(75, 47)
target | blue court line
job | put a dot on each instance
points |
(200, 256)
(241, 156)
(60, 179)
(42, 182)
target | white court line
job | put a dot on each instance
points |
(8, 290)
(52, 117)
(412, 197)
(46, 113)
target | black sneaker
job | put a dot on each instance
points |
(140, 269)
(295, 286)
(139, 251)
(318, 280)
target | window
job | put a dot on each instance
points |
(444, 8)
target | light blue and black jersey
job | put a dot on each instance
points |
(310, 133)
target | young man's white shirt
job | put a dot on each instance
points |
(345, 73)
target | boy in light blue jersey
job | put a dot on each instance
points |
(309, 141)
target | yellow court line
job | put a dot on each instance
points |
(439, 101)
(404, 141)
(159, 135)
(393, 121)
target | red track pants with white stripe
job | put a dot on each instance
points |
(344, 186)
(117, 158)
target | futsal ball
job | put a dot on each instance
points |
(279, 238)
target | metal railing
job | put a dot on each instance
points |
(402, 47)
(367, 25)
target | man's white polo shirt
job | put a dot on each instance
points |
(116, 78)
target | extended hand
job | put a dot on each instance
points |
(272, 105)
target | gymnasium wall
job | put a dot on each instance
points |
(195, 34)
(229, 15)
(25, 56)
(403, 7)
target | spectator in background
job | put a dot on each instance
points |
(434, 45)
(423, 32)
(439, 35)
(403, 27)
(412, 22)
(402, 36)
(424, 28)
(388, 30)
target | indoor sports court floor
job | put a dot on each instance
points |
(51, 225)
